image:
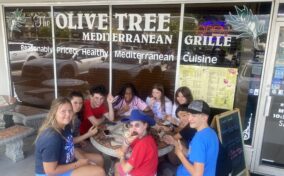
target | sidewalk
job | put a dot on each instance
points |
(24, 167)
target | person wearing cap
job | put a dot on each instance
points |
(201, 156)
(139, 153)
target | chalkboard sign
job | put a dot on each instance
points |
(230, 134)
(273, 142)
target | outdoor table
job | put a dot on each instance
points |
(6, 103)
(103, 142)
(66, 85)
(64, 82)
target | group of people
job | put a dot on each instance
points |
(72, 120)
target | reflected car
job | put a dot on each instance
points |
(249, 78)
(43, 46)
(20, 52)
(72, 59)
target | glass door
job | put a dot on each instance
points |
(271, 153)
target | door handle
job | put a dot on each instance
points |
(267, 106)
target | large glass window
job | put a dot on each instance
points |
(29, 40)
(145, 41)
(222, 56)
(81, 37)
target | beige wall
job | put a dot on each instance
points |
(4, 73)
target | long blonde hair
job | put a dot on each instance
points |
(50, 121)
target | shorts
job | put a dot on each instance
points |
(68, 173)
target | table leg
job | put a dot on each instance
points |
(111, 168)
(109, 164)
(2, 122)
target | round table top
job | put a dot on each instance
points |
(7, 102)
(64, 82)
(103, 144)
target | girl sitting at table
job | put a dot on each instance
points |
(77, 100)
(127, 100)
(54, 147)
(183, 96)
(143, 157)
(159, 103)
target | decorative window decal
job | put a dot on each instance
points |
(16, 20)
(247, 23)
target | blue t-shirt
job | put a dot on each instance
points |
(52, 146)
(203, 148)
(187, 133)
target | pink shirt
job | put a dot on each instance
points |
(136, 103)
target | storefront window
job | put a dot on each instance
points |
(81, 46)
(222, 56)
(145, 41)
(222, 53)
(29, 40)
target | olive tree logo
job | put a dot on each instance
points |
(246, 23)
(16, 20)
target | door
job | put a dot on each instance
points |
(270, 155)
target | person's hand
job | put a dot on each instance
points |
(168, 118)
(152, 101)
(182, 124)
(119, 152)
(110, 98)
(82, 162)
(93, 130)
(130, 139)
(125, 108)
(178, 149)
(169, 139)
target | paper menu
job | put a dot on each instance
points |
(215, 85)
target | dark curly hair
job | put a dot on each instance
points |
(122, 91)
(99, 89)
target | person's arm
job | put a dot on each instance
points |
(110, 114)
(53, 168)
(196, 169)
(177, 136)
(126, 167)
(122, 110)
(92, 131)
(96, 121)
(168, 107)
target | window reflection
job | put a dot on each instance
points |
(29, 38)
(218, 38)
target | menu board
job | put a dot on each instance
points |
(273, 144)
(230, 134)
(215, 85)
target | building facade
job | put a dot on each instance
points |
(229, 53)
